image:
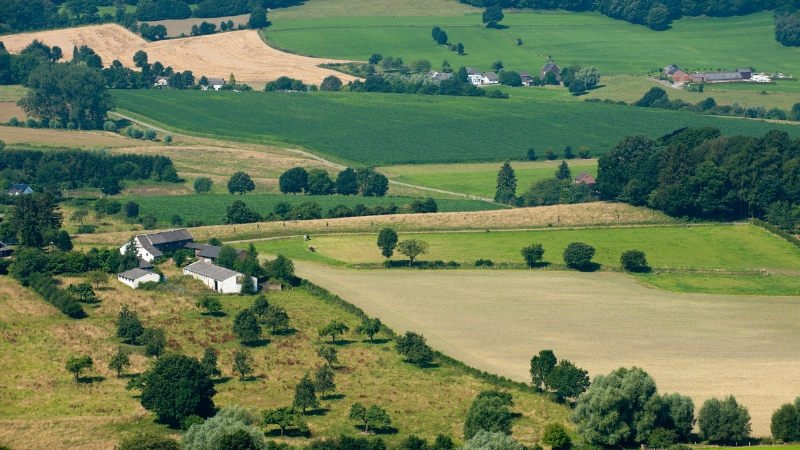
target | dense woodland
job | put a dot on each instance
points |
(699, 174)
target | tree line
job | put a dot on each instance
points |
(654, 14)
(787, 25)
(699, 174)
(560, 189)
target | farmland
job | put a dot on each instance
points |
(211, 208)
(613, 46)
(698, 345)
(413, 128)
(42, 406)
(481, 179)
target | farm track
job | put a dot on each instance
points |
(316, 158)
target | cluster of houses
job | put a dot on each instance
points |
(213, 83)
(678, 76)
(479, 78)
(151, 246)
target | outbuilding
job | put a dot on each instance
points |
(135, 277)
(220, 279)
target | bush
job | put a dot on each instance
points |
(109, 125)
(30, 122)
(13, 122)
(484, 262)
(633, 261)
(578, 255)
(168, 139)
(723, 421)
(86, 229)
(555, 435)
(150, 134)
(210, 434)
(148, 441)
(489, 411)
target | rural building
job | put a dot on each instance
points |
(527, 79)
(584, 177)
(5, 252)
(153, 245)
(210, 253)
(20, 189)
(214, 83)
(439, 76)
(474, 76)
(676, 75)
(134, 277)
(220, 279)
(728, 77)
(161, 82)
(480, 78)
(489, 78)
(550, 67)
(145, 265)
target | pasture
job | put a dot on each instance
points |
(386, 129)
(723, 247)
(481, 179)
(371, 8)
(698, 345)
(613, 46)
(42, 406)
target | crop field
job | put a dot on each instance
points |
(496, 320)
(12, 93)
(65, 138)
(481, 179)
(412, 128)
(725, 284)
(613, 46)
(371, 8)
(211, 209)
(41, 406)
(630, 89)
(724, 247)
(9, 110)
(184, 26)
(242, 53)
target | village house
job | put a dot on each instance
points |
(214, 83)
(5, 251)
(527, 79)
(481, 78)
(220, 279)
(153, 245)
(439, 76)
(550, 67)
(729, 77)
(210, 253)
(474, 76)
(19, 189)
(135, 277)
(161, 82)
(677, 75)
(585, 178)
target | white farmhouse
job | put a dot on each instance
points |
(153, 245)
(136, 276)
(220, 279)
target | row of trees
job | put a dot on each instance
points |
(364, 181)
(787, 26)
(698, 173)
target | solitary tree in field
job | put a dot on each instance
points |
(323, 380)
(284, 417)
(154, 342)
(77, 364)
(305, 395)
(370, 327)
(242, 363)
(129, 328)
(492, 16)
(532, 254)
(202, 184)
(240, 183)
(260, 306)
(276, 318)
(331, 83)
(413, 347)
(387, 241)
(119, 361)
(578, 255)
(633, 260)
(489, 411)
(412, 248)
(209, 362)
(332, 329)
(373, 416)
(210, 304)
(329, 354)
(506, 184)
(245, 326)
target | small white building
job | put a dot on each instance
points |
(161, 82)
(153, 245)
(214, 83)
(220, 279)
(136, 276)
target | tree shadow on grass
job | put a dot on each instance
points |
(92, 379)
(284, 332)
(378, 341)
(289, 432)
(256, 343)
(342, 342)
(316, 412)
(591, 267)
(222, 380)
(217, 314)
(373, 431)
(333, 397)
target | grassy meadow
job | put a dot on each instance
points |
(613, 46)
(481, 179)
(413, 128)
(42, 406)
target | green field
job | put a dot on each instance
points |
(725, 284)
(211, 209)
(481, 179)
(738, 248)
(397, 129)
(613, 46)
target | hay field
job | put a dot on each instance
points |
(520, 218)
(66, 138)
(184, 26)
(698, 345)
(242, 53)
(371, 8)
(9, 110)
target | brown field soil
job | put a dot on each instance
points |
(242, 53)
(9, 110)
(64, 138)
(597, 213)
(698, 345)
(176, 27)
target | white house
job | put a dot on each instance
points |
(161, 82)
(214, 83)
(136, 276)
(489, 78)
(153, 245)
(481, 78)
(220, 279)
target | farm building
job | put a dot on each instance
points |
(550, 67)
(220, 279)
(584, 177)
(214, 83)
(480, 78)
(439, 76)
(5, 251)
(161, 82)
(527, 79)
(134, 277)
(153, 245)
(677, 75)
(19, 189)
(210, 253)
(728, 77)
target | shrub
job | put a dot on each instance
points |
(109, 125)
(150, 134)
(555, 435)
(578, 255)
(484, 262)
(30, 122)
(210, 434)
(723, 421)
(86, 229)
(633, 261)
(489, 411)
(148, 441)
(13, 122)
(168, 139)
(72, 126)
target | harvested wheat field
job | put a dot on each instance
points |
(184, 26)
(242, 53)
(698, 345)
(597, 213)
(63, 138)
(9, 110)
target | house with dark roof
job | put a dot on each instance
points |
(220, 279)
(5, 251)
(154, 245)
(19, 189)
(439, 76)
(585, 178)
(210, 253)
(550, 67)
(527, 79)
(214, 83)
(136, 276)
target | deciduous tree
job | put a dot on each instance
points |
(284, 417)
(76, 364)
(578, 255)
(723, 421)
(541, 366)
(119, 361)
(329, 354)
(492, 16)
(209, 362)
(387, 241)
(333, 328)
(414, 349)
(305, 395)
(240, 183)
(532, 254)
(154, 342)
(370, 327)
(129, 328)
(293, 181)
(412, 248)
(324, 380)
(242, 363)
(489, 411)
(245, 327)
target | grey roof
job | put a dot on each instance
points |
(212, 251)
(150, 249)
(165, 237)
(440, 76)
(744, 70)
(211, 271)
(216, 81)
(549, 67)
(472, 71)
(722, 76)
(491, 76)
(143, 264)
(134, 274)
(524, 75)
(194, 246)
(20, 187)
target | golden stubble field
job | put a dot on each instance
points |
(242, 53)
(698, 345)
